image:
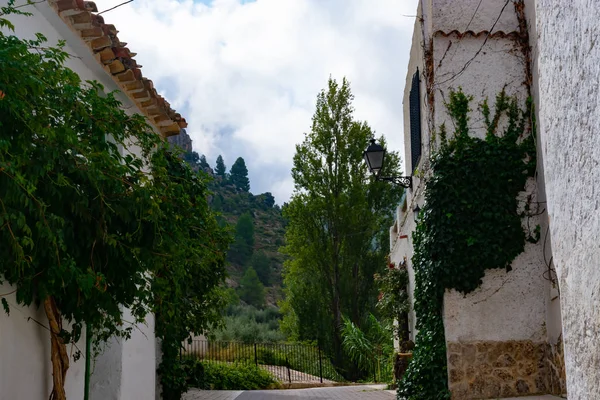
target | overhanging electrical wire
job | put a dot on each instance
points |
(117, 6)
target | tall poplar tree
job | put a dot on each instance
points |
(338, 216)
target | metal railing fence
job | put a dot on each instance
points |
(293, 363)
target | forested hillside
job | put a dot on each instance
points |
(339, 292)
(257, 228)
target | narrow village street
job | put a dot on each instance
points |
(299, 199)
(370, 392)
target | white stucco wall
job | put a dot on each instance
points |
(553, 312)
(25, 367)
(508, 306)
(513, 305)
(482, 75)
(139, 361)
(401, 246)
(124, 370)
(569, 118)
(416, 62)
(473, 15)
(107, 372)
(46, 21)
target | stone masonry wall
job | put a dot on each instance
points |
(555, 359)
(486, 370)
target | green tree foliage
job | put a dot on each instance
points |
(187, 283)
(220, 169)
(334, 236)
(269, 200)
(217, 203)
(86, 228)
(262, 265)
(203, 163)
(192, 158)
(268, 227)
(242, 248)
(251, 290)
(238, 175)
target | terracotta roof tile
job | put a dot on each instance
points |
(119, 62)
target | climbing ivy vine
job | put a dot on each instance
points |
(88, 228)
(471, 221)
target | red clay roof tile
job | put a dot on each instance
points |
(118, 61)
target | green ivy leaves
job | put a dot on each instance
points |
(470, 223)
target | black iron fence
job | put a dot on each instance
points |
(293, 363)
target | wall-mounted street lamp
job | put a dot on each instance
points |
(374, 156)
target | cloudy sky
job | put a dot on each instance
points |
(246, 73)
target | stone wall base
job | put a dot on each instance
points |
(557, 377)
(488, 370)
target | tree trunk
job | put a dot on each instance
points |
(337, 325)
(337, 313)
(58, 350)
(356, 297)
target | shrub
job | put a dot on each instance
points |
(271, 357)
(247, 330)
(244, 376)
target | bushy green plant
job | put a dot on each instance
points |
(271, 356)
(242, 248)
(393, 301)
(371, 347)
(221, 376)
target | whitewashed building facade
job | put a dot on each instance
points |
(126, 370)
(504, 339)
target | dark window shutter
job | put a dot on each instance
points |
(415, 122)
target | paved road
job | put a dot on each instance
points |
(371, 392)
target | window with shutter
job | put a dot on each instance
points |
(415, 122)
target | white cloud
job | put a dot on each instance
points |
(246, 74)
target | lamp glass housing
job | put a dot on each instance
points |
(374, 156)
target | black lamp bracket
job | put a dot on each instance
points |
(404, 181)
